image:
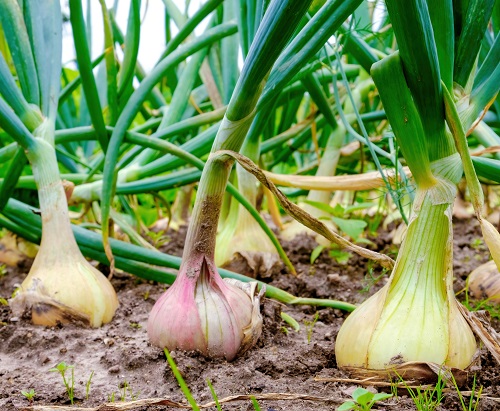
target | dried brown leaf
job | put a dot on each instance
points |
(302, 216)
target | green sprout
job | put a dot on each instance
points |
(310, 325)
(475, 396)
(87, 386)
(477, 243)
(69, 383)
(124, 388)
(30, 395)
(362, 400)
(214, 395)
(427, 398)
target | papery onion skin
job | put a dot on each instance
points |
(68, 293)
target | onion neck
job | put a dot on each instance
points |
(56, 226)
(426, 251)
(202, 229)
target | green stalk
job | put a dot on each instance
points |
(43, 20)
(28, 114)
(243, 27)
(487, 168)
(304, 46)
(12, 177)
(487, 137)
(229, 55)
(111, 65)
(453, 120)
(70, 88)
(156, 97)
(13, 126)
(404, 117)
(16, 34)
(132, 40)
(358, 48)
(85, 66)
(474, 24)
(485, 88)
(189, 26)
(419, 56)
(179, 102)
(441, 15)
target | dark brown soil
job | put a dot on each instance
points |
(284, 361)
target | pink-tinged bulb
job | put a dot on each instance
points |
(202, 312)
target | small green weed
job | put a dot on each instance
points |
(362, 400)
(475, 396)
(214, 395)
(371, 279)
(427, 398)
(87, 385)
(477, 243)
(481, 305)
(255, 404)
(30, 395)
(342, 257)
(181, 381)
(69, 383)
(310, 326)
(187, 393)
(125, 388)
(158, 238)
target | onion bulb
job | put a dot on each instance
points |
(415, 316)
(61, 286)
(484, 282)
(202, 312)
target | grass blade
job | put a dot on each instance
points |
(181, 381)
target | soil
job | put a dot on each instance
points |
(124, 364)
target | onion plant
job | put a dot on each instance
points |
(61, 285)
(415, 318)
(217, 318)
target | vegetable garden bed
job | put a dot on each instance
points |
(376, 119)
(284, 361)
